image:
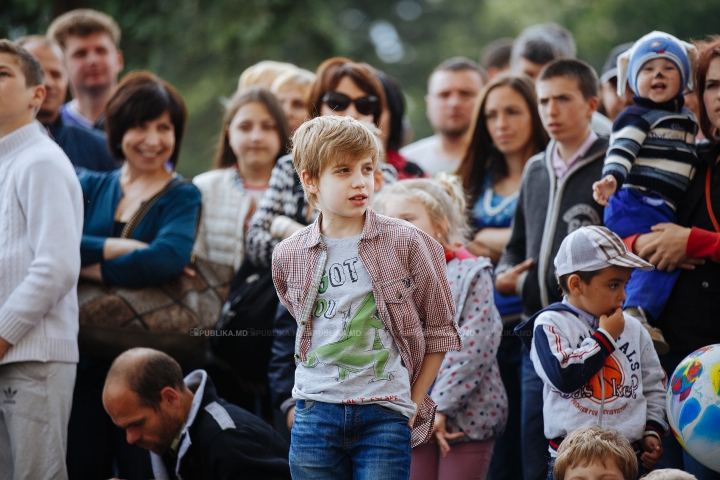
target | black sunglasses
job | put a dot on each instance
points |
(339, 102)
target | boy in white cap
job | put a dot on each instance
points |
(598, 365)
(651, 160)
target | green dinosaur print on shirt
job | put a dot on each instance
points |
(356, 351)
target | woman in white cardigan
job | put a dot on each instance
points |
(254, 135)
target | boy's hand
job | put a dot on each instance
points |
(411, 422)
(652, 451)
(604, 189)
(613, 324)
(442, 435)
(506, 282)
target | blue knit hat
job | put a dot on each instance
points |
(651, 46)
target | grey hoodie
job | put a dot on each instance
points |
(547, 211)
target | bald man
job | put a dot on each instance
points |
(190, 432)
(85, 148)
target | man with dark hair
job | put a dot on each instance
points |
(538, 45)
(554, 201)
(91, 41)
(40, 231)
(86, 149)
(190, 432)
(453, 91)
(495, 57)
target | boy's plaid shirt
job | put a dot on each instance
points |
(409, 281)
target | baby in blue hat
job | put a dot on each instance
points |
(651, 159)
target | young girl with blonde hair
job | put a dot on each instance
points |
(472, 406)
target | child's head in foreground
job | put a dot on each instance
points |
(434, 206)
(593, 265)
(593, 453)
(336, 158)
(657, 67)
(669, 474)
(567, 93)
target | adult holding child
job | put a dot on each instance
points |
(146, 120)
(507, 132)
(253, 137)
(466, 424)
(689, 319)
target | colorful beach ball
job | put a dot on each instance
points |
(693, 405)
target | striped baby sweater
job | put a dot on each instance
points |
(652, 148)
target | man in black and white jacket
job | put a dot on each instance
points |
(190, 432)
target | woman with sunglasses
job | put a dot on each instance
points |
(342, 87)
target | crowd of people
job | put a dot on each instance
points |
(503, 299)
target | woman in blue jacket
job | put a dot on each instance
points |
(145, 121)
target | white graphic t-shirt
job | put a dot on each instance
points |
(353, 358)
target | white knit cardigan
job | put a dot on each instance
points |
(221, 235)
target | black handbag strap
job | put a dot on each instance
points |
(138, 216)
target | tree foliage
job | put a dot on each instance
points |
(202, 46)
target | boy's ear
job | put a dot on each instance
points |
(309, 182)
(593, 103)
(378, 179)
(575, 283)
(38, 97)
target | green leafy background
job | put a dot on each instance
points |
(202, 46)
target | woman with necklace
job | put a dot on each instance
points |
(507, 132)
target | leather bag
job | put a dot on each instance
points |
(175, 317)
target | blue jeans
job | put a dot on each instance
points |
(534, 444)
(505, 464)
(630, 212)
(332, 441)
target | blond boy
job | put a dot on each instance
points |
(374, 310)
(594, 453)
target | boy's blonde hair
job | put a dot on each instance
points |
(295, 79)
(669, 474)
(325, 141)
(596, 444)
(444, 200)
(263, 73)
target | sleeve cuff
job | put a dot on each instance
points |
(655, 429)
(703, 243)
(630, 242)
(287, 405)
(520, 283)
(605, 340)
(11, 328)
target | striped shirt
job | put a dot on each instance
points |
(409, 282)
(652, 148)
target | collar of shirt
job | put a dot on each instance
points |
(71, 108)
(370, 229)
(591, 320)
(560, 166)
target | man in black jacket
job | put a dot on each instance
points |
(85, 148)
(190, 432)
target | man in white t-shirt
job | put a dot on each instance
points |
(453, 91)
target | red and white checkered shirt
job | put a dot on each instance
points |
(409, 282)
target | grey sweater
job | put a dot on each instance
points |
(547, 211)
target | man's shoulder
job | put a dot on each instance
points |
(414, 148)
